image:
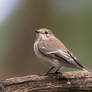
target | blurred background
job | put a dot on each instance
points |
(71, 21)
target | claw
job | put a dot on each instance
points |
(57, 72)
(43, 74)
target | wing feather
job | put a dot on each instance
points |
(63, 56)
(56, 51)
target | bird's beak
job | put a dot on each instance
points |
(37, 31)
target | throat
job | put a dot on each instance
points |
(45, 38)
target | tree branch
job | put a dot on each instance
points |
(65, 82)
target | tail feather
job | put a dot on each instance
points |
(79, 65)
(86, 69)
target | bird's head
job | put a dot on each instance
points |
(43, 33)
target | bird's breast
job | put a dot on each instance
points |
(38, 53)
(36, 48)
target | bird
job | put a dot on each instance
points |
(50, 49)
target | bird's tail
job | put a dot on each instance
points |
(86, 69)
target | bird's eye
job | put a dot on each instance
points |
(46, 32)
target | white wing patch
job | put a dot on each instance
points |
(63, 53)
(52, 52)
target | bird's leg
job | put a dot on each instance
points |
(58, 68)
(44, 74)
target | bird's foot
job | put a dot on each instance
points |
(57, 72)
(46, 74)
(43, 74)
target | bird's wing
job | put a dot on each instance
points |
(54, 53)
(64, 56)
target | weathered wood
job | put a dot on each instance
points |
(76, 81)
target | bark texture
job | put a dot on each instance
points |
(76, 81)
